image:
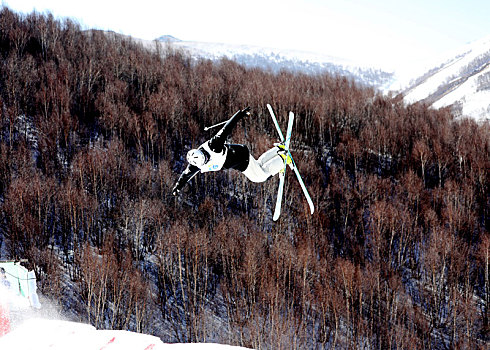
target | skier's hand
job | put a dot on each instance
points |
(246, 111)
(242, 113)
(175, 191)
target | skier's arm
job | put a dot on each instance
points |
(184, 178)
(217, 142)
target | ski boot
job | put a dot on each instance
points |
(284, 154)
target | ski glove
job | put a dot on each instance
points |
(175, 191)
(246, 111)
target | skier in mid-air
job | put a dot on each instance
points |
(215, 154)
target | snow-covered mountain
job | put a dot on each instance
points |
(276, 60)
(461, 79)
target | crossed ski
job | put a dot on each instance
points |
(282, 175)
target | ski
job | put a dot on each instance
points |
(277, 211)
(282, 175)
(302, 184)
(276, 124)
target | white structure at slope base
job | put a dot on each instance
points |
(21, 283)
(17, 292)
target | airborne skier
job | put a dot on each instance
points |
(215, 154)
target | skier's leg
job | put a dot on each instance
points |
(269, 164)
(274, 165)
(268, 155)
(255, 172)
(272, 161)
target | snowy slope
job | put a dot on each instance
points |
(41, 334)
(462, 80)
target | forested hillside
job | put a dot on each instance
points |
(93, 135)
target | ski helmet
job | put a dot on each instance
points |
(196, 157)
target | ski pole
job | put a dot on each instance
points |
(246, 111)
(206, 128)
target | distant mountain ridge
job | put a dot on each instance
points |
(460, 80)
(168, 38)
(276, 60)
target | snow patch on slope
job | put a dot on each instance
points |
(463, 81)
(472, 101)
(62, 335)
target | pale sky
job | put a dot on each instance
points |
(377, 31)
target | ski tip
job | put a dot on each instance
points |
(310, 204)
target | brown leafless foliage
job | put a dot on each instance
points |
(92, 135)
